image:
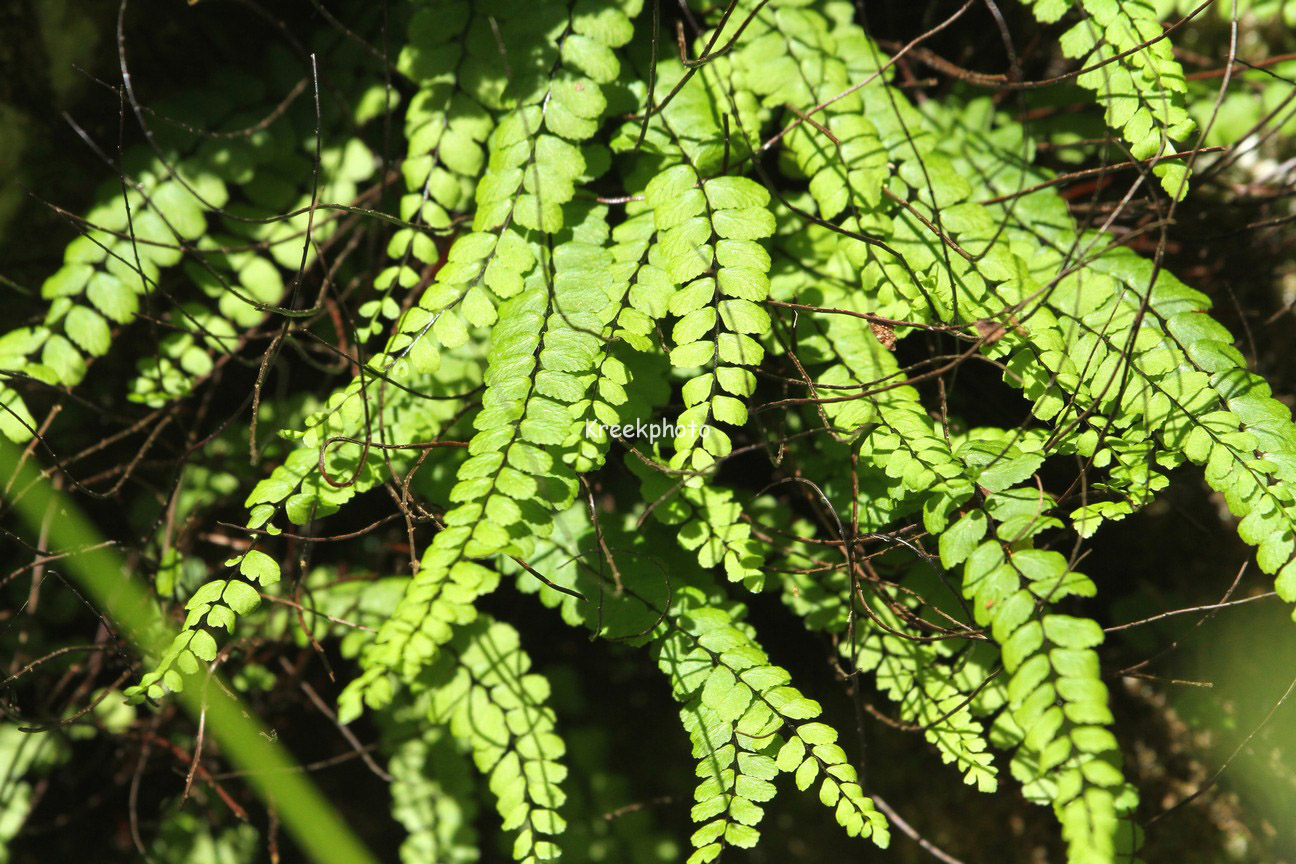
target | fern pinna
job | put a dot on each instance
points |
(752, 228)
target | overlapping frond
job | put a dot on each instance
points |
(768, 240)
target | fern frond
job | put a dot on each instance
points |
(1134, 348)
(718, 315)
(735, 706)
(912, 672)
(709, 522)
(22, 756)
(1131, 68)
(745, 720)
(491, 261)
(492, 702)
(106, 271)
(575, 248)
(938, 685)
(432, 798)
(946, 285)
(546, 340)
